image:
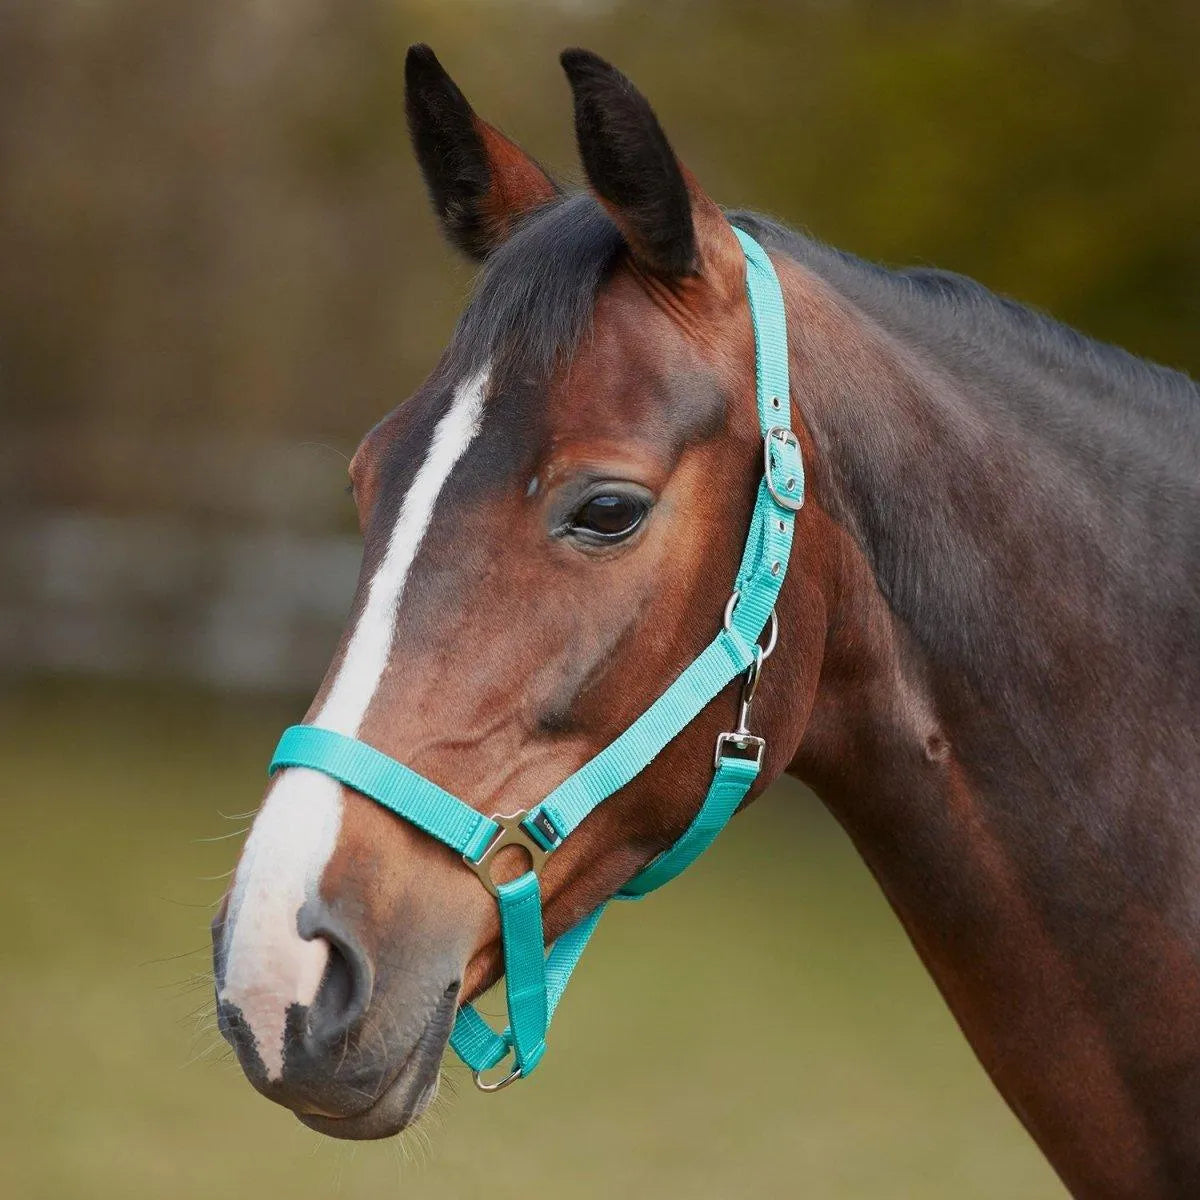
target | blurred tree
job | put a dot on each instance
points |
(209, 214)
(213, 237)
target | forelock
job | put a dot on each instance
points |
(536, 294)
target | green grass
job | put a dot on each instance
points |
(759, 1029)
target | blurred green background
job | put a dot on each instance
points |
(217, 269)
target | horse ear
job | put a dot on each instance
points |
(671, 225)
(480, 183)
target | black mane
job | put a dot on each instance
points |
(535, 297)
(980, 336)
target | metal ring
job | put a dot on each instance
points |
(499, 1085)
(772, 635)
(730, 605)
(510, 832)
(772, 628)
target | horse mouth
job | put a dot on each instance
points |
(411, 1091)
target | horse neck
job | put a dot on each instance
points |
(972, 731)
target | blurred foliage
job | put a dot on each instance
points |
(209, 215)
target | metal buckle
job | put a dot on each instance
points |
(510, 833)
(781, 433)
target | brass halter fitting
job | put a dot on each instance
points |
(511, 833)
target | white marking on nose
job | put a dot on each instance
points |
(268, 965)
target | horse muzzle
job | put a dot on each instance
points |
(359, 1056)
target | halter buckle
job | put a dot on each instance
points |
(512, 832)
(791, 496)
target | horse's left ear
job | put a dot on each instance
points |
(671, 225)
(480, 183)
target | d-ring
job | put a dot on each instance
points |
(500, 1084)
(730, 605)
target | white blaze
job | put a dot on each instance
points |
(268, 965)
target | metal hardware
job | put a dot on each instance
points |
(510, 833)
(741, 738)
(772, 624)
(750, 685)
(781, 433)
(500, 1084)
(741, 741)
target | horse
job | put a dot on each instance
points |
(988, 658)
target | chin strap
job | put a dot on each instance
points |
(534, 980)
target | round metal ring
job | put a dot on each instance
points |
(772, 635)
(500, 1084)
(730, 605)
(772, 628)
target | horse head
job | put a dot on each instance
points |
(551, 528)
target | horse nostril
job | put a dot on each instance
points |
(335, 998)
(345, 989)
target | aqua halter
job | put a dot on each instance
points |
(535, 980)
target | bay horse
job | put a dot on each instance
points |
(988, 660)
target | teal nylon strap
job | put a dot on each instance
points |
(759, 578)
(524, 968)
(535, 981)
(473, 1039)
(478, 1045)
(623, 759)
(730, 784)
(389, 783)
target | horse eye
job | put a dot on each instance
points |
(609, 516)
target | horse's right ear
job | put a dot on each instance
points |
(480, 183)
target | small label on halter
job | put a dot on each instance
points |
(543, 825)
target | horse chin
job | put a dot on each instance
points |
(411, 1091)
(405, 1099)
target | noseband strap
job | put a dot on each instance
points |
(534, 980)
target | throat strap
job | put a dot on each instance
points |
(535, 980)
